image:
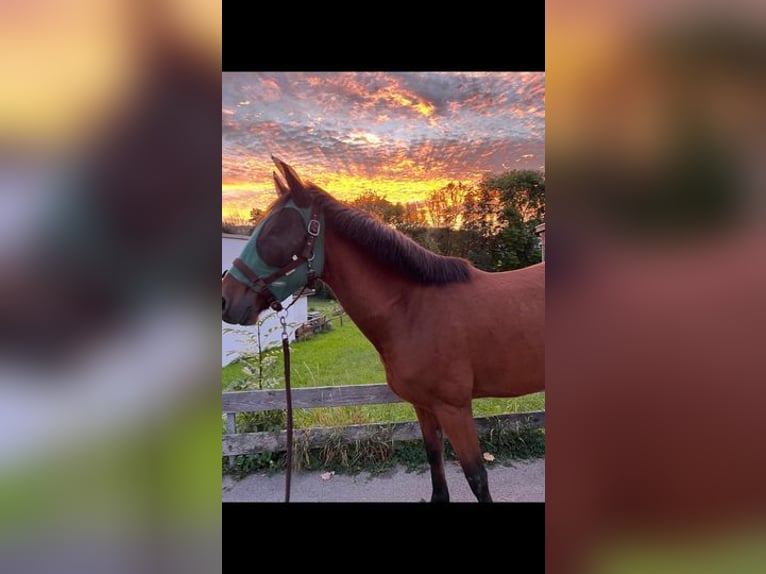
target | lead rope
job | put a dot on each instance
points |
(289, 401)
(288, 390)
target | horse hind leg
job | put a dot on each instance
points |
(432, 438)
(460, 428)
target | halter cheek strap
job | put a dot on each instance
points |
(259, 285)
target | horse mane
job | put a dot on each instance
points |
(388, 246)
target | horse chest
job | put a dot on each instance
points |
(424, 379)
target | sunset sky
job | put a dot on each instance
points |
(399, 134)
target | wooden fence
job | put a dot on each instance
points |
(313, 397)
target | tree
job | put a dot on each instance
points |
(522, 193)
(517, 242)
(499, 220)
(446, 204)
(481, 211)
(523, 189)
(256, 215)
(414, 214)
(377, 205)
(443, 210)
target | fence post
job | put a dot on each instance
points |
(231, 428)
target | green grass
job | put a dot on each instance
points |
(343, 356)
(326, 306)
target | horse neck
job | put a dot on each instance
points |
(373, 296)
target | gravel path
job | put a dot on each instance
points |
(523, 481)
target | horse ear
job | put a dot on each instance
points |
(281, 185)
(294, 183)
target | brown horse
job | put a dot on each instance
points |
(446, 331)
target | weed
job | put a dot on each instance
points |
(377, 453)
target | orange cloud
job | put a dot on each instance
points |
(351, 132)
(403, 98)
(392, 94)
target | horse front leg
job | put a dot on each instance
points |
(460, 428)
(432, 438)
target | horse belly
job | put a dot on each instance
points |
(508, 383)
(516, 367)
(505, 330)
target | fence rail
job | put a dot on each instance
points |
(234, 443)
(308, 398)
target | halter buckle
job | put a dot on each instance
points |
(314, 227)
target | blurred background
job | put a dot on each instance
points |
(656, 274)
(109, 213)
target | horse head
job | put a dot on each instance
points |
(284, 253)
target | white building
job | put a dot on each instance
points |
(236, 341)
(540, 232)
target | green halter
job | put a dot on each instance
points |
(277, 283)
